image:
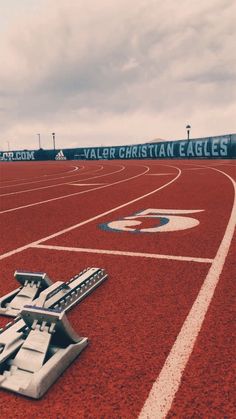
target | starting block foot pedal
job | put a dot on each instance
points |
(31, 285)
(49, 348)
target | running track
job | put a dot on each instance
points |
(161, 328)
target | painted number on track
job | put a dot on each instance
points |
(154, 221)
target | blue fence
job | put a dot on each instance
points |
(221, 147)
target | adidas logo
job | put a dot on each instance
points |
(60, 156)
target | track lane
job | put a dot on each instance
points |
(164, 389)
(115, 178)
(208, 381)
(27, 186)
(131, 321)
(129, 387)
(229, 169)
(37, 196)
(199, 191)
(13, 171)
(30, 225)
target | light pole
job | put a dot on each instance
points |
(39, 140)
(8, 145)
(53, 139)
(188, 127)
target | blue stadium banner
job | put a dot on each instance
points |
(221, 147)
(217, 147)
(17, 155)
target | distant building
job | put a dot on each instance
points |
(156, 140)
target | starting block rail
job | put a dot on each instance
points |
(39, 344)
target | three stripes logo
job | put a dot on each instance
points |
(60, 156)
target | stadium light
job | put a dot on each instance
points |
(39, 140)
(188, 127)
(53, 139)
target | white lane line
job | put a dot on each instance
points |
(167, 384)
(85, 184)
(159, 174)
(196, 168)
(121, 169)
(39, 177)
(82, 172)
(225, 164)
(122, 253)
(63, 183)
(74, 170)
(47, 180)
(90, 170)
(96, 217)
(38, 181)
(68, 195)
(73, 194)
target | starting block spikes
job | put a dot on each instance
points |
(51, 345)
(42, 337)
(31, 284)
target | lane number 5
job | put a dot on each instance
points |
(154, 220)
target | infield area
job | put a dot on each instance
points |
(161, 328)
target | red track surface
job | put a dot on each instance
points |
(134, 320)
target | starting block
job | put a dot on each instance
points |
(31, 286)
(39, 344)
(49, 348)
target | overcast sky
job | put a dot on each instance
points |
(115, 71)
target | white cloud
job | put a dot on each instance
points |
(116, 72)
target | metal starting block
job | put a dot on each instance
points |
(39, 344)
(49, 348)
(31, 286)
